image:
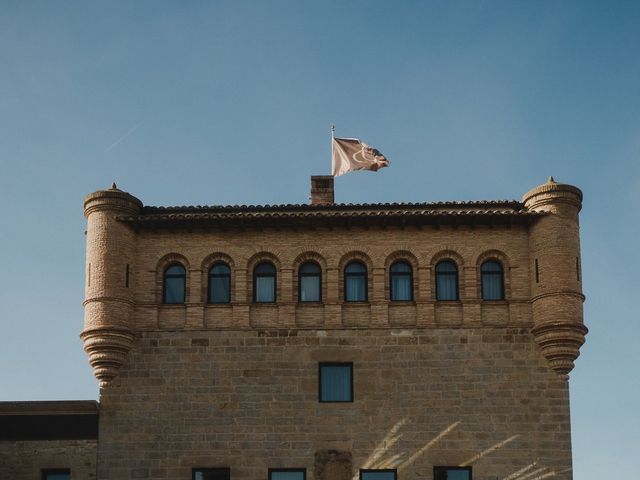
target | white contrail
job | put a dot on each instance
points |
(131, 130)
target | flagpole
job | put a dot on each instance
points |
(333, 136)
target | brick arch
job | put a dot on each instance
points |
(401, 255)
(447, 254)
(206, 264)
(310, 256)
(163, 263)
(503, 259)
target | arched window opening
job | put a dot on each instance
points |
(309, 282)
(264, 283)
(355, 282)
(174, 284)
(401, 282)
(447, 281)
(492, 280)
(219, 283)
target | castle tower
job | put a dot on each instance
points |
(108, 304)
(556, 282)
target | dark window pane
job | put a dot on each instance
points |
(401, 267)
(211, 474)
(492, 281)
(310, 267)
(380, 475)
(310, 289)
(355, 267)
(265, 268)
(401, 287)
(220, 269)
(286, 475)
(265, 289)
(174, 290)
(452, 473)
(335, 383)
(355, 288)
(56, 476)
(446, 281)
(264, 283)
(175, 270)
(219, 291)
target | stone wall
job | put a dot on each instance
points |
(248, 400)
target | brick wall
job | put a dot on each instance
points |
(24, 460)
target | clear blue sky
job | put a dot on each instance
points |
(230, 102)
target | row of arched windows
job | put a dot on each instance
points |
(355, 282)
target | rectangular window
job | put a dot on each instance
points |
(287, 474)
(336, 382)
(386, 474)
(452, 473)
(56, 474)
(211, 474)
(537, 272)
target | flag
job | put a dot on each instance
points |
(350, 154)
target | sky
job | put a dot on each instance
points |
(230, 102)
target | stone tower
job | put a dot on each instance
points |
(556, 283)
(109, 299)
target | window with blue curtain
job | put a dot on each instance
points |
(287, 474)
(56, 474)
(211, 474)
(401, 282)
(446, 280)
(492, 278)
(452, 473)
(264, 283)
(309, 282)
(336, 382)
(174, 284)
(386, 474)
(219, 283)
(355, 282)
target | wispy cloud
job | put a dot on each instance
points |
(123, 137)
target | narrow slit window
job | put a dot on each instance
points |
(126, 276)
(578, 269)
(537, 272)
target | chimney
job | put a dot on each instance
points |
(321, 189)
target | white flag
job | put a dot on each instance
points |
(350, 154)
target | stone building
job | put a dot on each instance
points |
(333, 341)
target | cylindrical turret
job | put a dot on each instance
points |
(108, 304)
(556, 282)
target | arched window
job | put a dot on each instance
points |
(446, 280)
(355, 282)
(219, 283)
(492, 280)
(264, 283)
(174, 284)
(401, 281)
(309, 282)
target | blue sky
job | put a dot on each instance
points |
(228, 102)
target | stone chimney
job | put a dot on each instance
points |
(322, 190)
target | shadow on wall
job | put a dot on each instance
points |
(386, 455)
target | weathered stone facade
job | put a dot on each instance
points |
(471, 381)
